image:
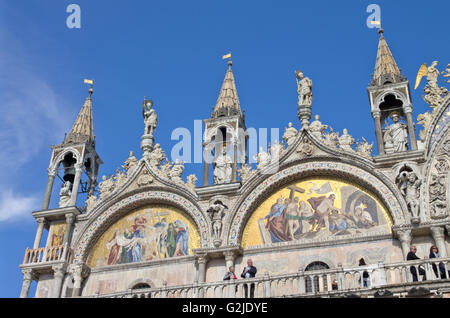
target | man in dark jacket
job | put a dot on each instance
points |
(249, 272)
(410, 257)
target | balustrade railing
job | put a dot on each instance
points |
(305, 283)
(47, 254)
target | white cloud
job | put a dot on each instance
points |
(14, 207)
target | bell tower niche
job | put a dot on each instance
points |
(391, 106)
(225, 141)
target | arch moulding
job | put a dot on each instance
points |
(330, 169)
(102, 221)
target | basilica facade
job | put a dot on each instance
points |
(319, 214)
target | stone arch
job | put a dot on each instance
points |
(387, 194)
(395, 93)
(209, 134)
(102, 220)
(141, 281)
(60, 157)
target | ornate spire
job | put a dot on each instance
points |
(228, 102)
(386, 70)
(83, 129)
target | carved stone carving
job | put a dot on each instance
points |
(245, 172)
(165, 169)
(331, 138)
(150, 117)
(305, 96)
(276, 150)
(106, 187)
(176, 172)
(262, 158)
(346, 141)
(305, 148)
(290, 134)
(120, 178)
(364, 149)
(191, 180)
(409, 186)
(434, 95)
(442, 165)
(446, 73)
(144, 179)
(156, 156)
(91, 202)
(437, 190)
(130, 163)
(217, 212)
(65, 194)
(424, 120)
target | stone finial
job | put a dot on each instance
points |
(245, 172)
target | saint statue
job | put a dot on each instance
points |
(262, 158)
(176, 172)
(290, 134)
(131, 163)
(316, 128)
(346, 141)
(396, 135)
(150, 117)
(410, 189)
(304, 89)
(156, 156)
(64, 194)
(223, 168)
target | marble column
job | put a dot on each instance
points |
(234, 171)
(58, 275)
(48, 190)
(202, 260)
(410, 123)
(40, 230)
(77, 275)
(439, 239)
(229, 258)
(380, 142)
(26, 283)
(70, 218)
(76, 185)
(405, 240)
(206, 164)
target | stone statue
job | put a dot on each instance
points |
(346, 141)
(191, 180)
(432, 75)
(176, 172)
(276, 150)
(316, 128)
(331, 138)
(304, 89)
(106, 187)
(64, 194)
(434, 95)
(150, 117)
(396, 135)
(217, 212)
(156, 156)
(410, 189)
(424, 120)
(130, 163)
(245, 172)
(290, 134)
(91, 202)
(437, 192)
(120, 177)
(364, 149)
(223, 168)
(262, 158)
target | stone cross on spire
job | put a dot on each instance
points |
(228, 102)
(83, 128)
(386, 70)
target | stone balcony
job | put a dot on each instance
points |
(392, 280)
(43, 258)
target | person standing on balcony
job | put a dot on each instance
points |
(230, 274)
(365, 275)
(434, 253)
(249, 272)
(411, 257)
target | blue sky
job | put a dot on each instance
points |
(171, 51)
